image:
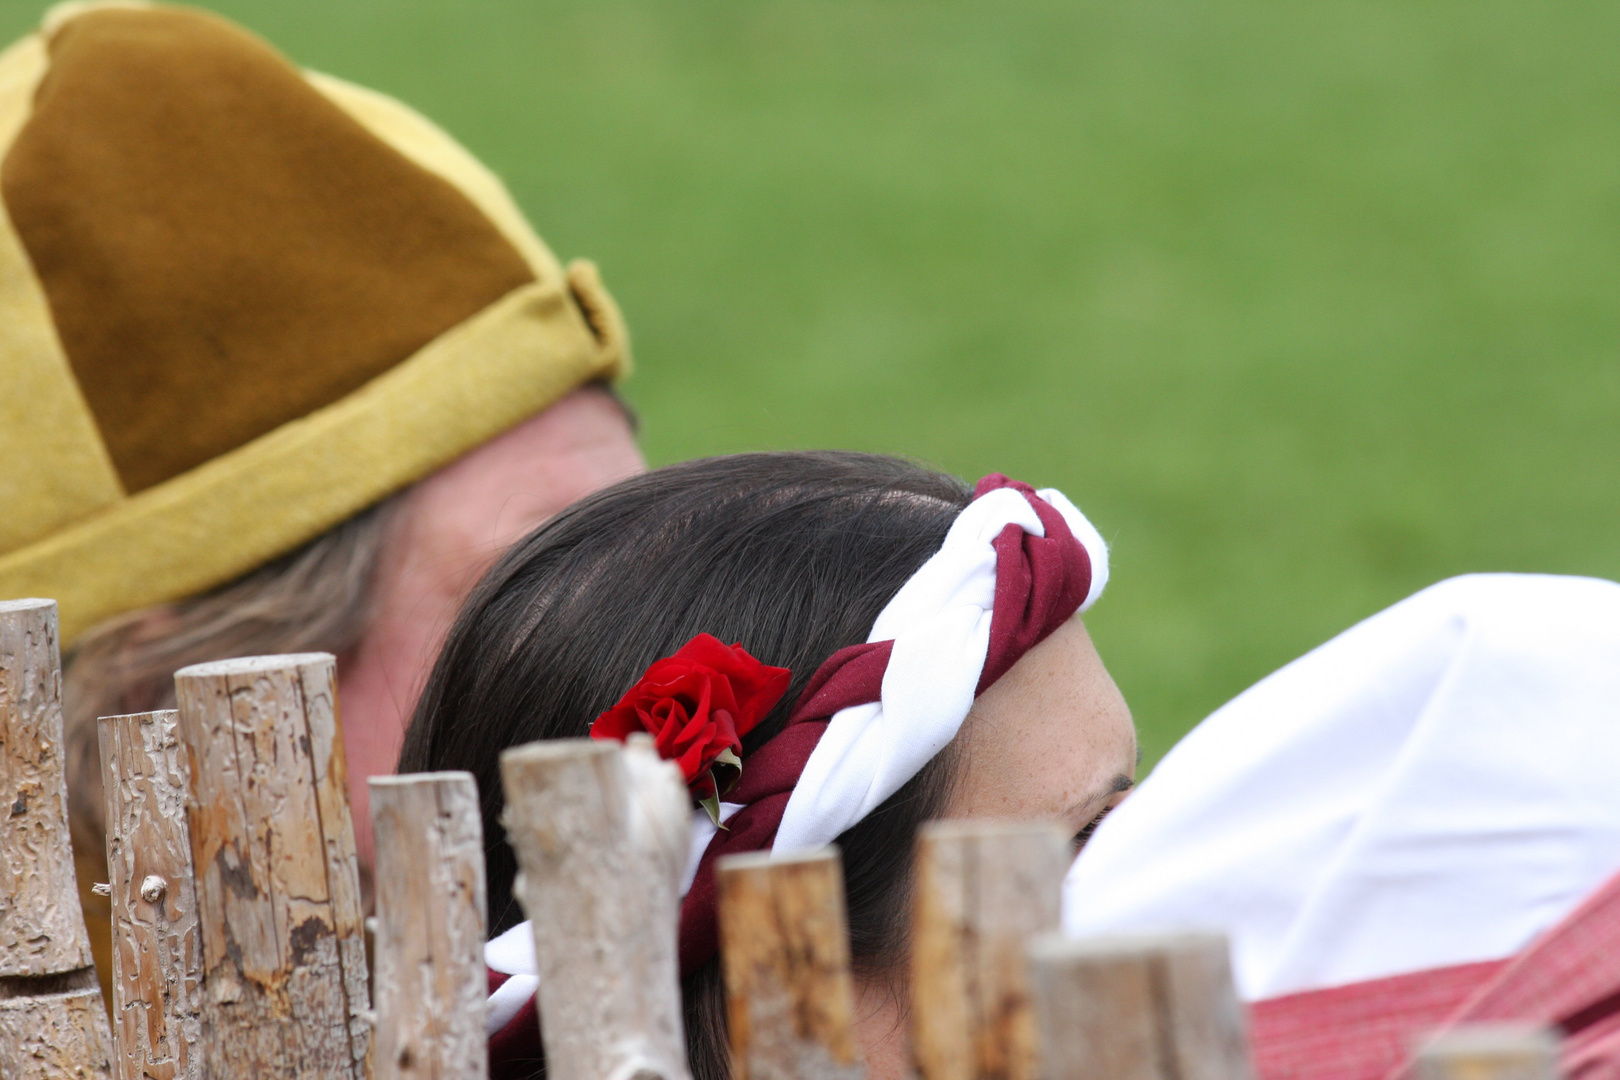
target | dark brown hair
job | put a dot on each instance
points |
(793, 555)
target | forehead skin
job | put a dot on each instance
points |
(1051, 739)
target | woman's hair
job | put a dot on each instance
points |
(792, 555)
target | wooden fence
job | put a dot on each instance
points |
(239, 949)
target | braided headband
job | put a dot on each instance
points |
(1016, 564)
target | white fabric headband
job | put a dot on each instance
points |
(939, 622)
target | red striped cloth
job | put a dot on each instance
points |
(1360, 1031)
(1568, 979)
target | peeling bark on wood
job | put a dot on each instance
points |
(982, 889)
(157, 950)
(1149, 1007)
(278, 888)
(431, 985)
(784, 947)
(52, 1021)
(600, 833)
(1490, 1052)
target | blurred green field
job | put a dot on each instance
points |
(1308, 305)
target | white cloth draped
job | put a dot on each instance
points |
(1435, 786)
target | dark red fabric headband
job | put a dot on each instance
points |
(1041, 581)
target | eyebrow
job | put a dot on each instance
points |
(1115, 786)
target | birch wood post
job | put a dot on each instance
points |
(431, 986)
(983, 888)
(157, 950)
(278, 888)
(784, 947)
(52, 1020)
(1490, 1052)
(1151, 1007)
(601, 833)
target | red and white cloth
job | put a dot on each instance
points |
(1416, 824)
(1015, 565)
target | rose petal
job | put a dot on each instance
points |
(697, 704)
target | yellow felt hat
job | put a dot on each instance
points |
(240, 302)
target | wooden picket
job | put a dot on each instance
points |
(157, 944)
(52, 1023)
(430, 983)
(600, 834)
(278, 891)
(1490, 1052)
(982, 888)
(784, 947)
(1150, 1007)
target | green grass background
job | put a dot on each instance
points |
(1307, 304)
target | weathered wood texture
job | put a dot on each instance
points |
(1490, 1052)
(157, 949)
(600, 833)
(278, 888)
(784, 947)
(982, 889)
(56, 1034)
(431, 986)
(41, 928)
(52, 1022)
(1159, 1007)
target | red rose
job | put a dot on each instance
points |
(697, 705)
